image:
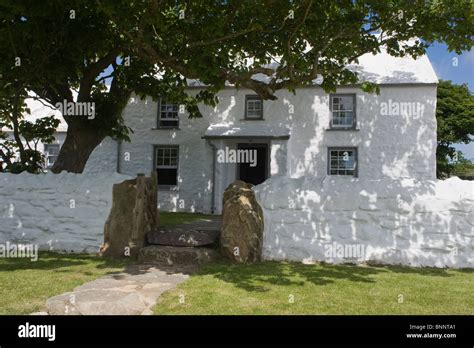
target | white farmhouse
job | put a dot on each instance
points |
(341, 177)
(348, 133)
(311, 133)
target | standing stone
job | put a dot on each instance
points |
(134, 213)
(242, 224)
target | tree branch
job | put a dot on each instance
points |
(92, 71)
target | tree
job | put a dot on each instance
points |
(19, 152)
(455, 118)
(154, 47)
(463, 168)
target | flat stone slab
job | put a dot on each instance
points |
(173, 255)
(132, 292)
(213, 223)
(184, 237)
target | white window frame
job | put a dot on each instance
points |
(165, 161)
(350, 125)
(48, 155)
(251, 114)
(340, 170)
(164, 115)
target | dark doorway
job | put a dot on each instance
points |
(258, 173)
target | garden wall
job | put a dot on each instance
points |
(428, 223)
(61, 212)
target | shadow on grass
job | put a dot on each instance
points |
(254, 277)
(62, 263)
(57, 261)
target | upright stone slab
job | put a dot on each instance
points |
(134, 213)
(242, 224)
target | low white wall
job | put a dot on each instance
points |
(61, 212)
(419, 223)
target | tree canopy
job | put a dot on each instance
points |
(153, 48)
(455, 118)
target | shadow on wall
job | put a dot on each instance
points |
(395, 133)
(394, 212)
(394, 221)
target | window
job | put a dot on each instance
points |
(342, 161)
(253, 107)
(166, 159)
(51, 152)
(167, 114)
(343, 111)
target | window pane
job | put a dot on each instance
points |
(168, 114)
(167, 176)
(51, 152)
(51, 149)
(346, 103)
(253, 107)
(167, 165)
(342, 108)
(342, 162)
(342, 118)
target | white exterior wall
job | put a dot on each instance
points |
(103, 159)
(401, 146)
(391, 221)
(61, 212)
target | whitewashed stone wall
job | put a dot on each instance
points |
(62, 212)
(398, 221)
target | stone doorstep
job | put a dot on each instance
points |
(185, 237)
(176, 255)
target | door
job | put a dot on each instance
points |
(256, 172)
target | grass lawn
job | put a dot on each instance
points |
(170, 219)
(293, 288)
(25, 286)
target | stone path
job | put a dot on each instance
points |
(132, 292)
(136, 290)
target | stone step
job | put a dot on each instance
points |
(182, 237)
(175, 255)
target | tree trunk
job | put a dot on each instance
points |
(84, 134)
(77, 147)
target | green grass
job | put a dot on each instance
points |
(25, 285)
(267, 288)
(171, 219)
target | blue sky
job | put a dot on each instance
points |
(457, 68)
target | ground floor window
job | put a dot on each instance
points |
(166, 164)
(51, 152)
(342, 161)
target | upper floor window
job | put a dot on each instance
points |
(168, 114)
(51, 152)
(253, 107)
(343, 114)
(342, 161)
